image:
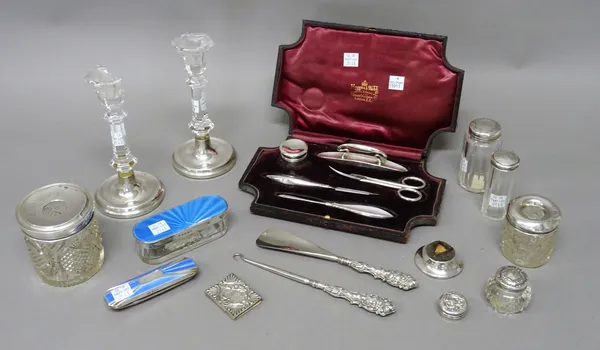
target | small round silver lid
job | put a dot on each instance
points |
(293, 150)
(439, 260)
(533, 214)
(511, 278)
(485, 129)
(452, 305)
(505, 160)
(55, 211)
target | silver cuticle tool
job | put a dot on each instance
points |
(369, 302)
(291, 180)
(402, 187)
(362, 160)
(280, 240)
(358, 209)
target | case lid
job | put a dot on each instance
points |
(390, 89)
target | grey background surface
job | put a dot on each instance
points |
(533, 66)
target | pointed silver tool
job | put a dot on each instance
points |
(362, 160)
(358, 209)
(276, 239)
(291, 180)
(402, 186)
(370, 302)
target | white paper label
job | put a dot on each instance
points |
(463, 164)
(350, 59)
(497, 201)
(396, 83)
(122, 292)
(159, 227)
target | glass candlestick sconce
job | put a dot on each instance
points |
(204, 156)
(126, 194)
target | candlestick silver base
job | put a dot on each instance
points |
(204, 158)
(129, 197)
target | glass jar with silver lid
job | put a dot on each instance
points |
(508, 291)
(481, 140)
(61, 234)
(530, 230)
(499, 186)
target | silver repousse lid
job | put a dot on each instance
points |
(55, 211)
(533, 214)
(511, 278)
(452, 305)
(505, 160)
(485, 129)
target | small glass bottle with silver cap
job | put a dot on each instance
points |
(530, 230)
(61, 233)
(483, 137)
(499, 186)
(508, 291)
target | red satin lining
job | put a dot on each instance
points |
(316, 90)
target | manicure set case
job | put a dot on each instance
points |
(338, 84)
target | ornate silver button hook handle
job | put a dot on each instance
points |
(126, 194)
(369, 302)
(204, 156)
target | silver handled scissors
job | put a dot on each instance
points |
(403, 186)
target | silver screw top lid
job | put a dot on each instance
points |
(533, 214)
(505, 160)
(485, 129)
(55, 211)
(452, 305)
(293, 150)
(511, 278)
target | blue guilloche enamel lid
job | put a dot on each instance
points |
(176, 219)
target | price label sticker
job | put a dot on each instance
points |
(121, 292)
(159, 227)
(464, 163)
(350, 59)
(396, 83)
(497, 201)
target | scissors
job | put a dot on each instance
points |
(402, 187)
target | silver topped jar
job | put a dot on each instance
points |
(499, 187)
(530, 230)
(481, 140)
(508, 291)
(61, 234)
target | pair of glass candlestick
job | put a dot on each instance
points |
(129, 194)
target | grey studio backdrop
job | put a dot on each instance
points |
(531, 65)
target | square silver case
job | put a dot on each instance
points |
(233, 296)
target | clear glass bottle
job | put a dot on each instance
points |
(530, 230)
(499, 186)
(508, 291)
(61, 234)
(482, 139)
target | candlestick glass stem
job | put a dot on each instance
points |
(204, 156)
(126, 194)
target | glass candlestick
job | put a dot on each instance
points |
(204, 156)
(127, 194)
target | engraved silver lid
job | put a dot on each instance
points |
(293, 150)
(55, 211)
(452, 305)
(533, 214)
(439, 260)
(505, 160)
(485, 129)
(511, 278)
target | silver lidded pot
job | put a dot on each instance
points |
(508, 291)
(530, 230)
(61, 233)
